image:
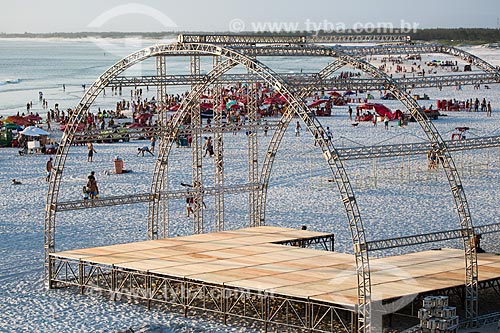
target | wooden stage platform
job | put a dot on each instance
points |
(249, 259)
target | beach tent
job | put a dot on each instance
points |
(33, 131)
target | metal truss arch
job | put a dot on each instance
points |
(421, 48)
(233, 57)
(437, 143)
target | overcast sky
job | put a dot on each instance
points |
(236, 15)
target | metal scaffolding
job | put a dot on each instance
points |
(311, 79)
(253, 153)
(197, 152)
(254, 39)
(241, 50)
(273, 312)
(161, 92)
(433, 237)
(218, 150)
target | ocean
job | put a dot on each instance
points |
(30, 66)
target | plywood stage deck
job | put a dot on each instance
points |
(249, 259)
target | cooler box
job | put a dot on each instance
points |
(118, 166)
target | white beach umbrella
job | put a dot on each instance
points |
(33, 131)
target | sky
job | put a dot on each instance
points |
(37, 16)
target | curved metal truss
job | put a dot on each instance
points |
(356, 51)
(267, 75)
(295, 106)
(437, 143)
(406, 49)
(242, 55)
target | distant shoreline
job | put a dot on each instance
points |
(442, 34)
(458, 36)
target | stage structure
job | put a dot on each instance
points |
(227, 52)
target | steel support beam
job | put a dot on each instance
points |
(148, 197)
(197, 152)
(219, 106)
(433, 237)
(253, 39)
(311, 80)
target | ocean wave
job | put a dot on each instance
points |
(9, 81)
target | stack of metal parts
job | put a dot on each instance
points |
(437, 317)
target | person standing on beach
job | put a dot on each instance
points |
(91, 151)
(189, 206)
(92, 189)
(386, 122)
(48, 168)
(153, 143)
(209, 147)
(297, 128)
(48, 123)
(329, 134)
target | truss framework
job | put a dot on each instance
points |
(218, 151)
(311, 80)
(420, 148)
(240, 55)
(274, 312)
(438, 145)
(433, 237)
(326, 243)
(148, 197)
(254, 39)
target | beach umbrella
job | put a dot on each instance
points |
(33, 117)
(317, 103)
(18, 120)
(349, 93)
(33, 131)
(174, 107)
(334, 94)
(230, 103)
